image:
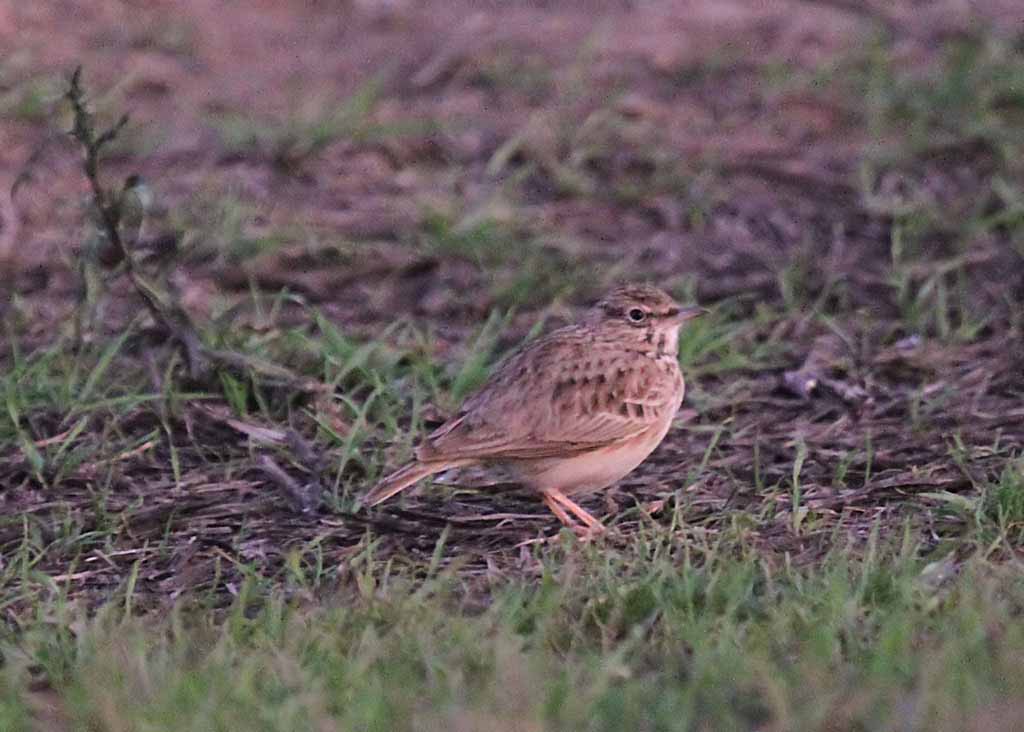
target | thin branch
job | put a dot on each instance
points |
(166, 310)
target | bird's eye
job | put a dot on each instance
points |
(637, 315)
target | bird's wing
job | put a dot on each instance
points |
(563, 394)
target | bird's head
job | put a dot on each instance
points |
(643, 313)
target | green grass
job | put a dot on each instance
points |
(685, 625)
(663, 635)
(940, 158)
(290, 141)
(519, 268)
(526, 75)
(974, 94)
(781, 563)
(30, 100)
(223, 227)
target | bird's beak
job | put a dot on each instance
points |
(689, 313)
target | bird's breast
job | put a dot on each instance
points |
(593, 470)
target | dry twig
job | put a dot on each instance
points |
(114, 211)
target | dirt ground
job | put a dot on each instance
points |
(759, 158)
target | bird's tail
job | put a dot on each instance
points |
(401, 479)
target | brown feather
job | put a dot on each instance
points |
(573, 411)
(404, 477)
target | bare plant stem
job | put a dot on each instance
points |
(164, 307)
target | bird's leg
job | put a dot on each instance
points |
(558, 502)
(556, 508)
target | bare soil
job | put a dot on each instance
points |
(700, 145)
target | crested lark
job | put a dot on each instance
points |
(572, 412)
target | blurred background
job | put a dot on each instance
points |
(388, 196)
(351, 209)
(438, 161)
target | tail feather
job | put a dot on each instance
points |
(402, 479)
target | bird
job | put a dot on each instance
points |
(572, 412)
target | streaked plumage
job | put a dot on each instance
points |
(572, 412)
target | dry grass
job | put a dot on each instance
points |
(332, 258)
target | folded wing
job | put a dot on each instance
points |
(563, 394)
